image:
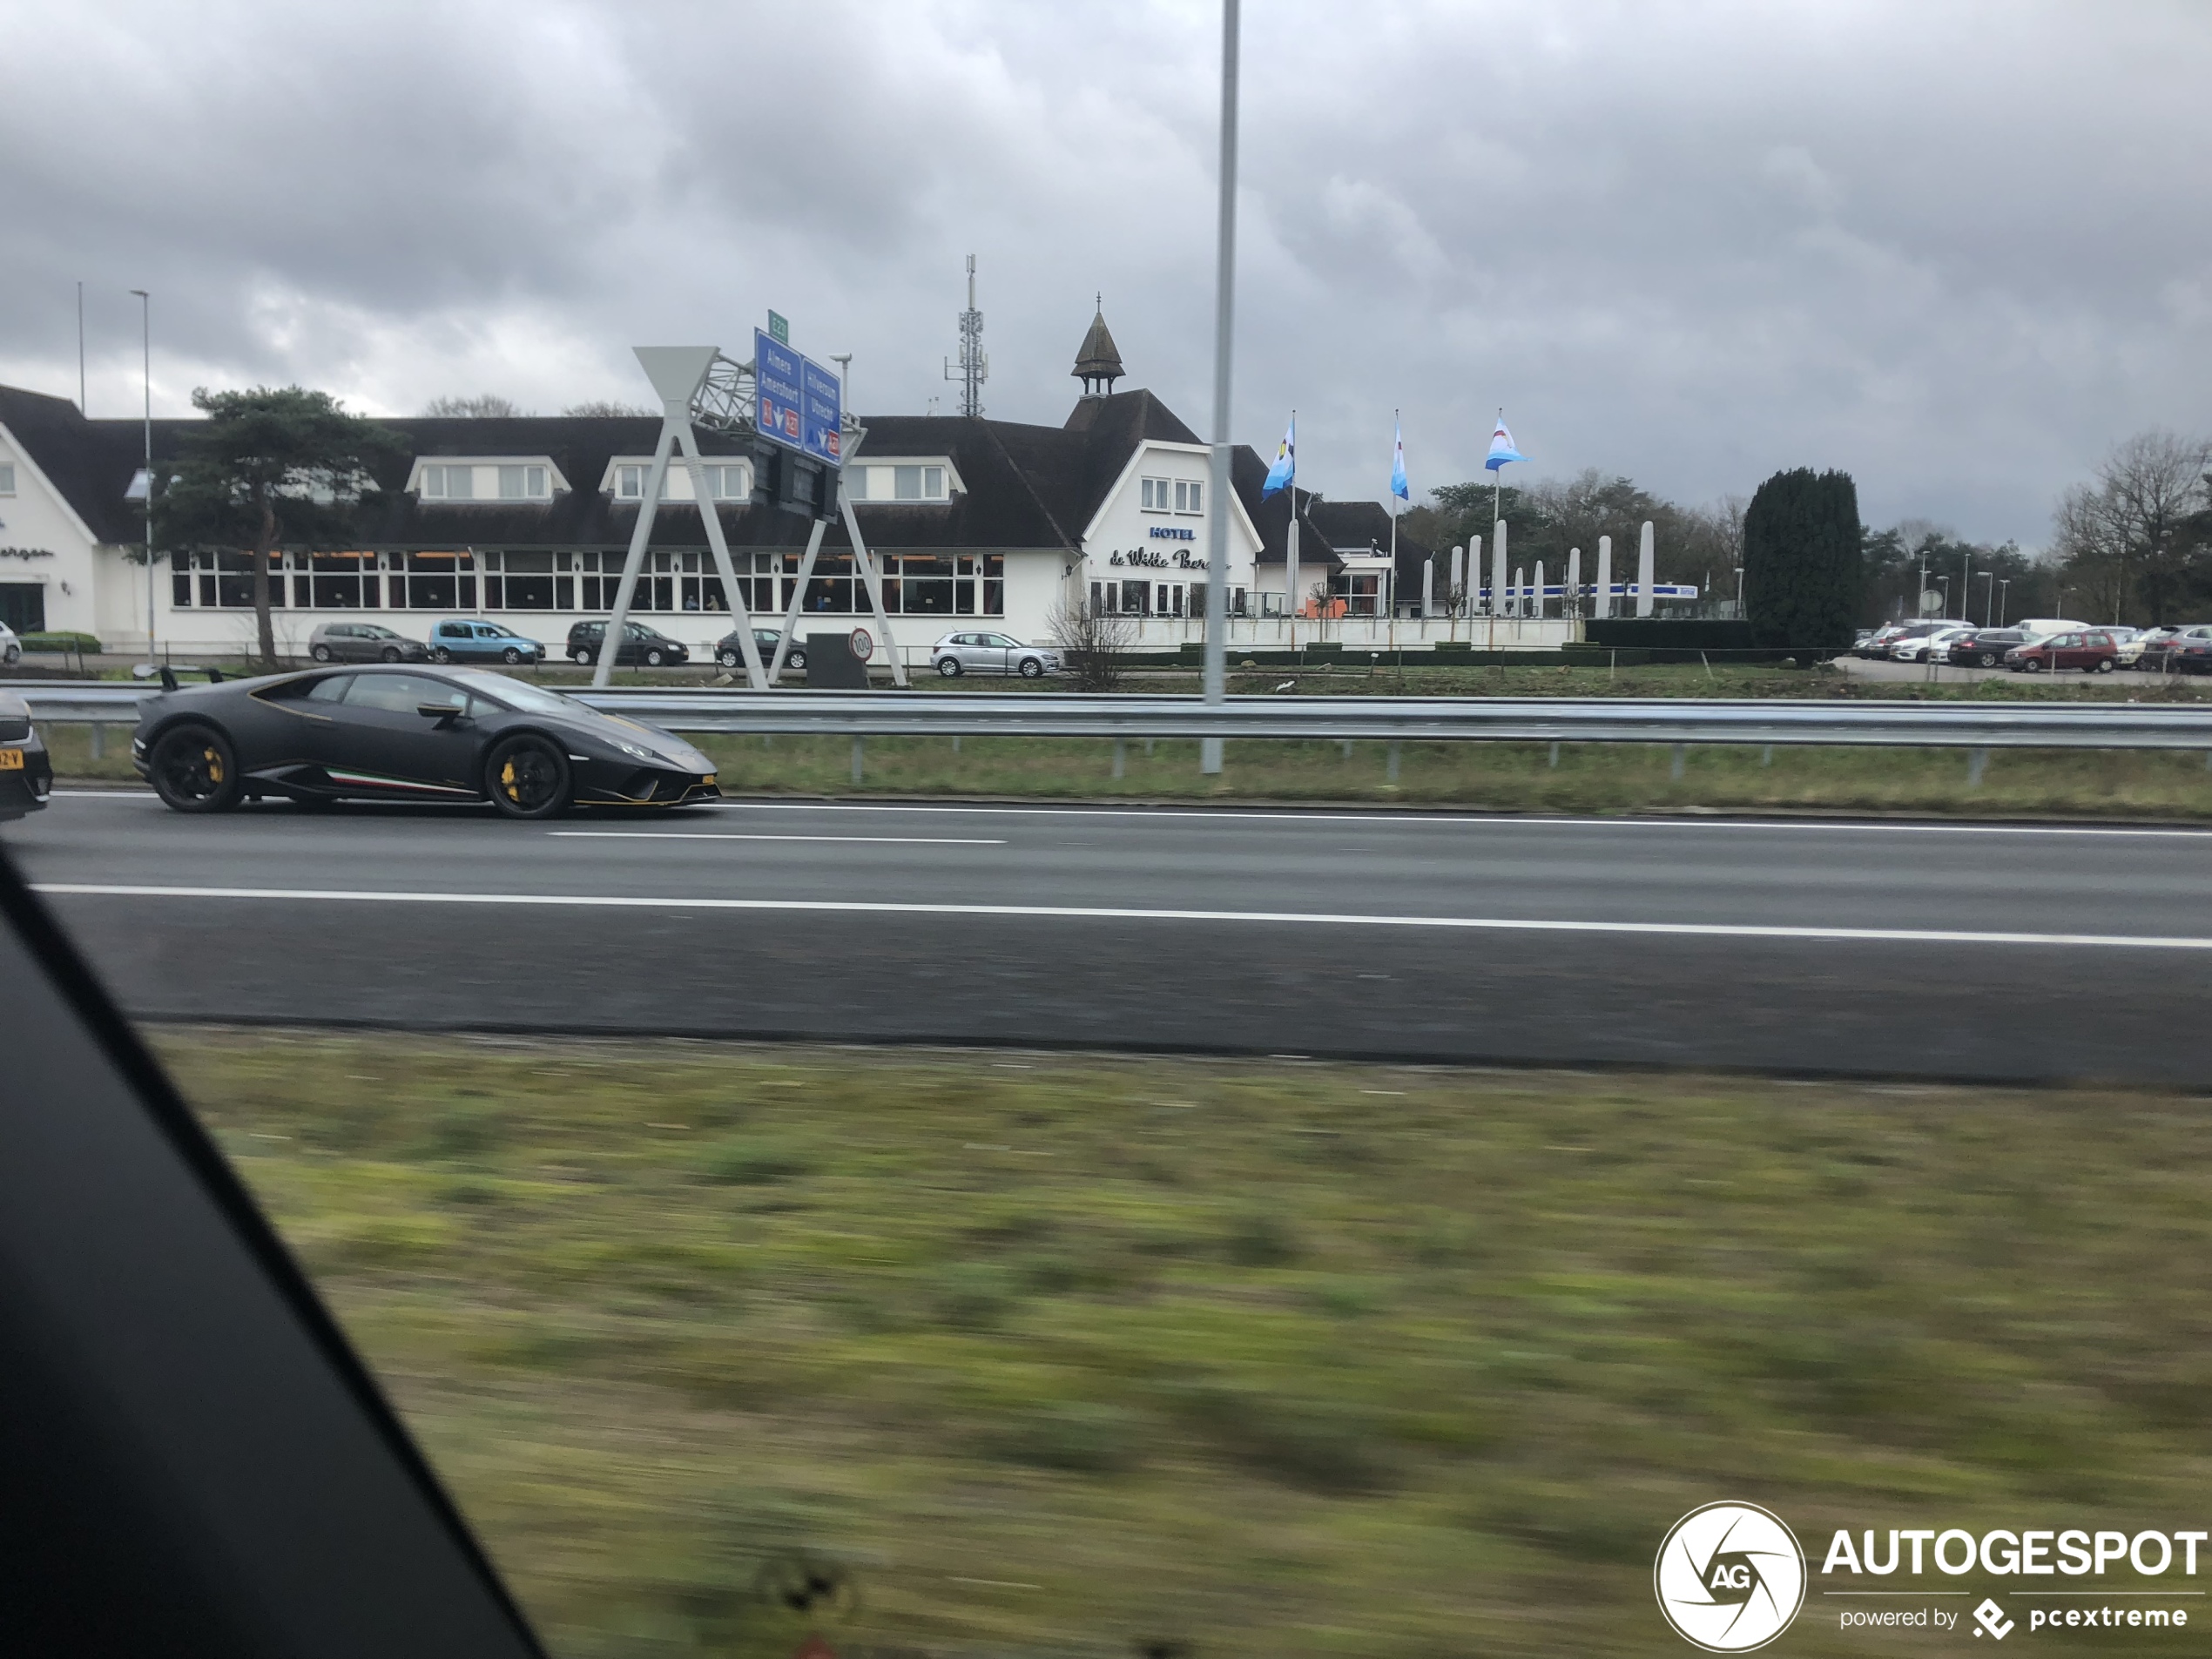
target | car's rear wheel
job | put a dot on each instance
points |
(949, 667)
(321, 653)
(195, 770)
(389, 654)
(581, 656)
(528, 777)
(440, 654)
(1989, 659)
(1031, 668)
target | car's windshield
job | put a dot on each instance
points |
(517, 693)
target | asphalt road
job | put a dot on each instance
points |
(1940, 951)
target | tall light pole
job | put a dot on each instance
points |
(145, 333)
(1224, 315)
(1988, 594)
(2004, 599)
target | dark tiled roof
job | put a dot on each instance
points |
(1027, 486)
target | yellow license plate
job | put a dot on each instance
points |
(11, 760)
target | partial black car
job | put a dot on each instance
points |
(380, 733)
(641, 647)
(730, 652)
(1983, 647)
(26, 770)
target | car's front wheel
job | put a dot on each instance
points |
(796, 660)
(195, 770)
(511, 657)
(949, 667)
(528, 777)
(2104, 666)
(728, 658)
(440, 654)
(389, 654)
(2031, 666)
(652, 659)
(1032, 669)
(321, 653)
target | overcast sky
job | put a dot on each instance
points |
(1957, 249)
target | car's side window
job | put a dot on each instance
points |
(332, 689)
(401, 694)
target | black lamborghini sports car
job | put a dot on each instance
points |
(394, 733)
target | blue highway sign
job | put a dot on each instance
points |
(801, 405)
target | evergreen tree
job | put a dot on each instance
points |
(1803, 568)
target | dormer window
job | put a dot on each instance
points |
(7, 477)
(726, 481)
(486, 480)
(900, 481)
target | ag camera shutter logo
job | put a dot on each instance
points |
(1729, 1577)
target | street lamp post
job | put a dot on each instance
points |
(1216, 658)
(2004, 599)
(145, 334)
(1988, 594)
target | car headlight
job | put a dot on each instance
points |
(637, 752)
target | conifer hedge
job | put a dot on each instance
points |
(1803, 572)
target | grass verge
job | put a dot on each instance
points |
(1069, 1354)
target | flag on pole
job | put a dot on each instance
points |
(1397, 462)
(1284, 473)
(1501, 449)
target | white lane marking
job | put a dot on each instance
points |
(1102, 912)
(712, 835)
(1832, 827)
(105, 794)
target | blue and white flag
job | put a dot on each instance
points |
(1397, 462)
(1284, 473)
(1501, 449)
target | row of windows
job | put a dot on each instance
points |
(965, 584)
(1171, 495)
(898, 481)
(523, 482)
(1131, 598)
(724, 482)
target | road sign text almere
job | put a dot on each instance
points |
(801, 403)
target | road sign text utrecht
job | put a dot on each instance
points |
(801, 403)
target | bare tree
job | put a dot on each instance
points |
(2137, 538)
(1094, 643)
(604, 409)
(485, 405)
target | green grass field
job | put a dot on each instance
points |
(1063, 1355)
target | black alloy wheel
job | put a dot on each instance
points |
(949, 667)
(1032, 669)
(389, 654)
(441, 655)
(195, 770)
(321, 653)
(528, 777)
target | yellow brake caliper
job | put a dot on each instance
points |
(215, 765)
(507, 783)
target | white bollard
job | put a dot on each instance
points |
(1604, 606)
(1499, 597)
(1571, 602)
(1645, 567)
(1538, 590)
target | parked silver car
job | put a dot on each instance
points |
(978, 652)
(363, 642)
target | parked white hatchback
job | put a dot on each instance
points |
(977, 652)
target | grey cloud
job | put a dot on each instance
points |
(1957, 249)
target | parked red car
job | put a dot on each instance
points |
(2092, 653)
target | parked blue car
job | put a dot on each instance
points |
(481, 642)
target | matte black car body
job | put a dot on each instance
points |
(385, 732)
(642, 645)
(26, 782)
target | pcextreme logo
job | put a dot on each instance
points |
(1729, 1577)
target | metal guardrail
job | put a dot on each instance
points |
(1882, 723)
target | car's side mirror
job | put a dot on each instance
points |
(443, 713)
